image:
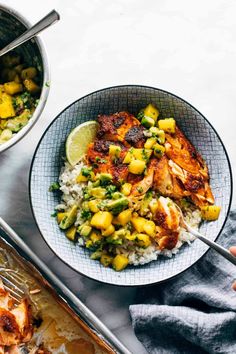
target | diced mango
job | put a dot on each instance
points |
(98, 192)
(109, 231)
(137, 167)
(153, 206)
(120, 262)
(210, 212)
(149, 143)
(31, 86)
(114, 150)
(149, 228)
(101, 220)
(159, 150)
(95, 237)
(124, 217)
(106, 260)
(12, 87)
(137, 154)
(168, 125)
(71, 233)
(126, 188)
(138, 223)
(143, 240)
(131, 237)
(81, 178)
(93, 205)
(60, 216)
(151, 111)
(6, 106)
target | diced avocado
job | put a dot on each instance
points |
(69, 219)
(117, 195)
(85, 230)
(114, 239)
(147, 122)
(15, 124)
(98, 192)
(96, 255)
(145, 203)
(105, 178)
(116, 206)
(151, 111)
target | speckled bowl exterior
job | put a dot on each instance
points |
(48, 160)
(12, 24)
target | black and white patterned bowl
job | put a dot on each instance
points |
(47, 163)
(12, 25)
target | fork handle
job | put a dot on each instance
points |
(221, 250)
(45, 22)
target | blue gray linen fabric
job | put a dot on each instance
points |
(196, 311)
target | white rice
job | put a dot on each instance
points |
(73, 194)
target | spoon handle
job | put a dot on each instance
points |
(223, 251)
(45, 22)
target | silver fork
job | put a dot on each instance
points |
(221, 250)
(13, 284)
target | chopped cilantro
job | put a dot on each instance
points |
(54, 187)
(98, 159)
(86, 214)
(140, 115)
(110, 190)
(140, 189)
(53, 215)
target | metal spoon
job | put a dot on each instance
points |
(221, 250)
(44, 23)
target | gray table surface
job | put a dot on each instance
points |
(172, 45)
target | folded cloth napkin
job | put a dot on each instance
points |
(194, 313)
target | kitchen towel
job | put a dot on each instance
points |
(196, 311)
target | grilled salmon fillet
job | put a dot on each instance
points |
(15, 321)
(182, 172)
(121, 129)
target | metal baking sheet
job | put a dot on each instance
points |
(62, 295)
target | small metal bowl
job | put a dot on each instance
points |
(12, 24)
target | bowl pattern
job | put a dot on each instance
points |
(48, 161)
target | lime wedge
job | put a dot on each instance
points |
(78, 140)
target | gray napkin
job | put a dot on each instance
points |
(195, 312)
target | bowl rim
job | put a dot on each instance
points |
(46, 79)
(30, 179)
